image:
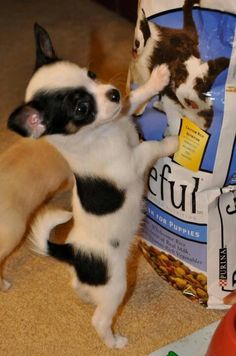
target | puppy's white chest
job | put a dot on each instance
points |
(105, 151)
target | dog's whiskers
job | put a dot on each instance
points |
(116, 77)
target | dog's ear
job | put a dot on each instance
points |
(144, 26)
(27, 121)
(45, 53)
(216, 66)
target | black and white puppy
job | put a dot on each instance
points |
(86, 121)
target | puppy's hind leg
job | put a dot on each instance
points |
(108, 299)
(10, 237)
(80, 289)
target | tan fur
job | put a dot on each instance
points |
(31, 172)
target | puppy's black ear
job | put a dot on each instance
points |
(144, 27)
(217, 66)
(45, 53)
(27, 121)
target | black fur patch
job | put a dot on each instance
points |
(62, 252)
(144, 28)
(63, 111)
(64, 106)
(99, 196)
(173, 47)
(90, 268)
(207, 115)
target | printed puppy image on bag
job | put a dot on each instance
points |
(189, 233)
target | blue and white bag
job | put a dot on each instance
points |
(190, 228)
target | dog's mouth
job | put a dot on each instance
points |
(192, 104)
(115, 115)
(116, 112)
(134, 53)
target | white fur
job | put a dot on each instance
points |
(48, 219)
(111, 151)
(196, 68)
(139, 71)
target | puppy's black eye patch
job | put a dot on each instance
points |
(91, 75)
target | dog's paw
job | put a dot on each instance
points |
(4, 285)
(120, 341)
(116, 342)
(160, 78)
(173, 143)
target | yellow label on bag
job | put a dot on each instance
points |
(193, 142)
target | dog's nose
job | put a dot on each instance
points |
(113, 95)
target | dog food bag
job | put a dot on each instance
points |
(190, 226)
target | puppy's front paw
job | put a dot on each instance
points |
(160, 77)
(173, 143)
(116, 341)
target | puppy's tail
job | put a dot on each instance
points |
(44, 222)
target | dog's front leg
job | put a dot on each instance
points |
(11, 233)
(149, 151)
(158, 80)
(108, 299)
(173, 114)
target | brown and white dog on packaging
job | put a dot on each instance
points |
(188, 93)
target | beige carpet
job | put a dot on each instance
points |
(41, 314)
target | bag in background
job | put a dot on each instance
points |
(190, 228)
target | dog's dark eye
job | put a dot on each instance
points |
(137, 43)
(92, 75)
(82, 108)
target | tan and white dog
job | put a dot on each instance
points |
(31, 172)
